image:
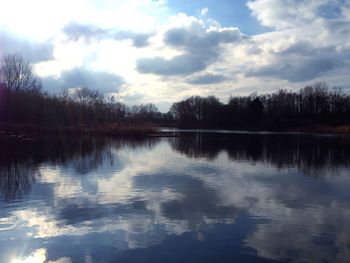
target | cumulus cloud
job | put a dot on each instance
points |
(81, 77)
(206, 79)
(30, 50)
(178, 65)
(282, 14)
(76, 31)
(296, 70)
(138, 39)
(197, 36)
(200, 46)
(301, 61)
(309, 40)
(306, 48)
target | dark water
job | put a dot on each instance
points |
(194, 198)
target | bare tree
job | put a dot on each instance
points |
(87, 96)
(17, 74)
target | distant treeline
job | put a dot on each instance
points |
(23, 101)
(312, 105)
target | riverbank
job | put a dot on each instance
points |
(345, 129)
(123, 130)
(23, 131)
(321, 129)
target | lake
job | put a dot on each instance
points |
(196, 197)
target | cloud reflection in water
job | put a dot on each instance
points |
(142, 194)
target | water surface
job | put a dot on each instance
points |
(193, 198)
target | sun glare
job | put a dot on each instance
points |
(38, 256)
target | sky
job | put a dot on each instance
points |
(162, 51)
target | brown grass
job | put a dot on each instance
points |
(130, 130)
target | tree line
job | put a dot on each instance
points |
(317, 104)
(23, 101)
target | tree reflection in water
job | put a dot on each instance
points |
(309, 153)
(243, 197)
(20, 158)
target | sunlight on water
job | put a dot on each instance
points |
(38, 256)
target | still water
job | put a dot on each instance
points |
(191, 198)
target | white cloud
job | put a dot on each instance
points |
(283, 14)
(308, 41)
(306, 45)
(204, 11)
(80, 77)
(199, 45)
(31, 51)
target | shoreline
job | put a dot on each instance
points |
(317, 129)
(118, 130)
(23, 131)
